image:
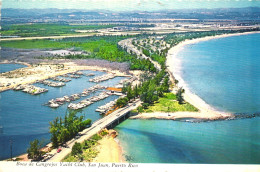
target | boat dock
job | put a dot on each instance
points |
(86, 102)
(90, 74)
(55, 103)
(102, 78)
(60, 79)
(52, 84)
(105, 108)
(31, 89)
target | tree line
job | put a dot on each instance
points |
(149, 91)
(62, 130)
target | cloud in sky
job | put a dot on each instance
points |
(128, 5)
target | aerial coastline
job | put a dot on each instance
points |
(113, 86)
(206, 112)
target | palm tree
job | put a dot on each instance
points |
(179, 95)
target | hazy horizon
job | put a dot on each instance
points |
(128, 5)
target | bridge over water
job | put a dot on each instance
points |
(106, 122)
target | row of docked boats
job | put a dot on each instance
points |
(52, 84)
(75, 75)
(55, 103)
(105, 108)
(31, 89)
(90, 74)
(102, 78)
(92, 89)
(86, 102)
(60, 79)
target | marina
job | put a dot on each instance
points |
(86, 102)
(55, 103)
(34, 115)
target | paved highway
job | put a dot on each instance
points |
(95, 128)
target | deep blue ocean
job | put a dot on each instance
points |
(228, 70)
(23, 117)
(225, 73)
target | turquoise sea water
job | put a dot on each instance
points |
(10, 67)
(23, 117)
(228, 70)
(165, 141)
(226, 74)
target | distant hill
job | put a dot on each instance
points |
(10, 15)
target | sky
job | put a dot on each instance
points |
(129, 5)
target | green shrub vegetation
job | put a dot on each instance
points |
(76, 149)
(30, 30)
(85, 151)
(97, 47)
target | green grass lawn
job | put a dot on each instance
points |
(168, 103)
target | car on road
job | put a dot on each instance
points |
(59, 150)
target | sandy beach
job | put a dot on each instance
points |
(174, 66)
(109, 151)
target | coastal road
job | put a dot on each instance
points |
(127, 43)
(95, 128)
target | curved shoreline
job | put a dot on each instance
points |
(174, 66)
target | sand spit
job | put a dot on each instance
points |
(181, 115)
